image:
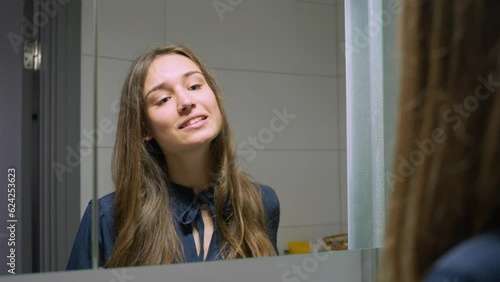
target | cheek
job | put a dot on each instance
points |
(217, 113)
(213, 104)
(158, 122)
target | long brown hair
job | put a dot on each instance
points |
(447, 169)
(143, 220)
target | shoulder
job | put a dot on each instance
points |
(271, 205)
(105, 205)
(80, 257)
(105, 211)
(476, 259)
(267, 191)
(269, 198)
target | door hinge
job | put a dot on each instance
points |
(32, 55)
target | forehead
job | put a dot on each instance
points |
(168, 68)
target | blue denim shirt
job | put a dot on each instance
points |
(183, 200)
(474, 260)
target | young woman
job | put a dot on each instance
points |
(444, 222)
(180, 196)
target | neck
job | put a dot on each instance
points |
(191, 170)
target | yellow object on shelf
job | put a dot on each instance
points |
(299, 247)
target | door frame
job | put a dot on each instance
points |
(40, 124)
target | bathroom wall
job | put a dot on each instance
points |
(269, 56)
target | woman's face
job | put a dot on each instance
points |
(181, 110)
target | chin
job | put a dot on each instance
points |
(201, 140)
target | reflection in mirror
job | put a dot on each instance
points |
(282, 78)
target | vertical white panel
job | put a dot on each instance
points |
(364, 112)
(370, 33)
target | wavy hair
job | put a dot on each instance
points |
(144, 222)
(450, 49)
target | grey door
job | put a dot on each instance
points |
(39, 119)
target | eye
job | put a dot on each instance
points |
(163, 101)
(195, 87)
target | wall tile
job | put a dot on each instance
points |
(127, 28)
(87, 28)
(320, 2)
(104, 180)
(86, 177)
(306, 183)
(112, 75)
(340, 39)
(254, 102)
(276, 36)
(87, 96)
(343, 187)
(342, 113)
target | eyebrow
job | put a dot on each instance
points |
(162, 85)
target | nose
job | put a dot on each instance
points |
(185, 102)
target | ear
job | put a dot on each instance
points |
(146, 133)
(148, 136)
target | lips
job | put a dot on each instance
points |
(192, 120)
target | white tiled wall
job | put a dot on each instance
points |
(268, 56)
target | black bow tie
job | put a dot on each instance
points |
(193, 213)
(193, 209)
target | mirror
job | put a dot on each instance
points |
(282, 76)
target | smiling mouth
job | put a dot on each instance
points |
(192, 121)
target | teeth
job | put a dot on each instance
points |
(194, 120)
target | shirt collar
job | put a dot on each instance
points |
(186, 204)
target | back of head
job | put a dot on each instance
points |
(447, 183)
